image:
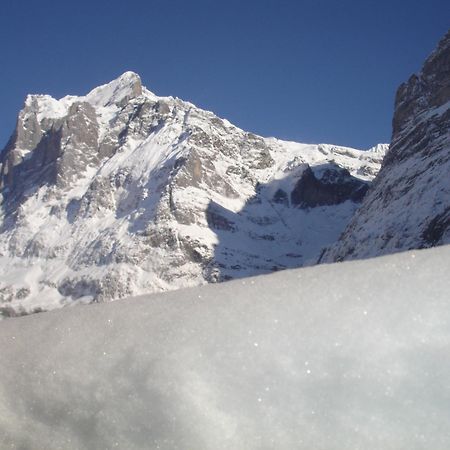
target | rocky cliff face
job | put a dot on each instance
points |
(121, 192)
(408, 205)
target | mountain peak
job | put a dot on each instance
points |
(129, 75)
(118, 91)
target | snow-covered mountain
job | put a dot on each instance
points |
(408, 205)
(121, 192)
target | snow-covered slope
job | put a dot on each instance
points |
(121, 192)
(333, 357)
(408, 205)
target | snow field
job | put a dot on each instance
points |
(344, 356)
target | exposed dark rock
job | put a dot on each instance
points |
(335, 186)
(62, 154)
(436, 228)
(281, 197)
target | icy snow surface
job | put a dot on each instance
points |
(344, 356)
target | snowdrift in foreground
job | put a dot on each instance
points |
(343, 356)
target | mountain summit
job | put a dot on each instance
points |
(121, 192)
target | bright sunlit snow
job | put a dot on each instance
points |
(344, 356)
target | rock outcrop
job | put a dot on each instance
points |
(408, 205)
(333, 185)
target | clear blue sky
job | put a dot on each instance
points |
(311, 70)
